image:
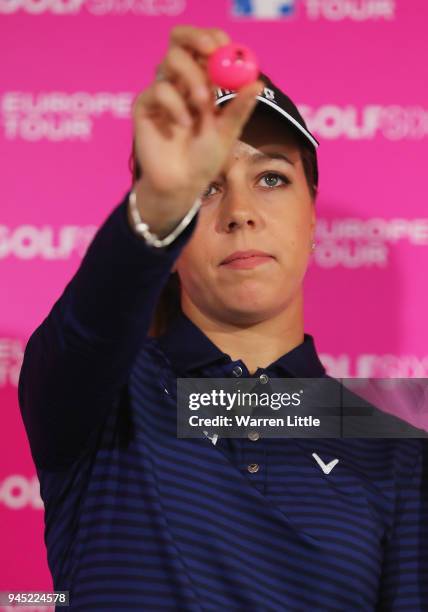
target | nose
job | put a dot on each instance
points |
(238, 210)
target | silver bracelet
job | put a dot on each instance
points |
(143, 229)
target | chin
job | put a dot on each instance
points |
(241, 313)
(255, 292)
(255, 295)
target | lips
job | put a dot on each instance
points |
(244, 255)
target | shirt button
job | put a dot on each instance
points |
(237, 371)
(264, 378)
(253, 468)
(254, 435)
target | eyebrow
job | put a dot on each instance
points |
(262, 157)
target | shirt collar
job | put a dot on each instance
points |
(188, 348)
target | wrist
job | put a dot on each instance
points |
(161, 233)
(157, 227)
(161, 211)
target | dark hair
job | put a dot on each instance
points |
(169, 303)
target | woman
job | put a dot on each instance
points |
(137, 518)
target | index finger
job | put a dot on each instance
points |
(201, 40)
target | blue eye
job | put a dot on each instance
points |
(207, 193)
(272, 179)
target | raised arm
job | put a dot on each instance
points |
(78, 359)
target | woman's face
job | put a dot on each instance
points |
(262, 202)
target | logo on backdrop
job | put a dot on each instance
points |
(59, 116)
(360, 243)
(46, 242)
(330, 10)
(11, 355)
(264, 9)
(375, 366)
(18, 492)
(148, 8)
(392, 122)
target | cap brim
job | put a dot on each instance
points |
(284, 113)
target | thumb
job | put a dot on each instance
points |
(236, 113)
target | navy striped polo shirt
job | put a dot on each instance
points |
(138, 519)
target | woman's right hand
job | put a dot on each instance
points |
(182, 140)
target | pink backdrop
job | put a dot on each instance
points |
(357, 70)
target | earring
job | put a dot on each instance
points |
(313, 245)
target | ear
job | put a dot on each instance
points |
(313, 221)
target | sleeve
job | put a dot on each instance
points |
(404, 581)
(77, 361)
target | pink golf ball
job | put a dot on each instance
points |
(233, 66)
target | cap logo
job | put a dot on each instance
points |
(219, 93)
(268, 93)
